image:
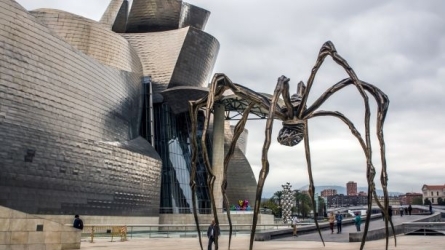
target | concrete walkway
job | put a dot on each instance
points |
(242, 243)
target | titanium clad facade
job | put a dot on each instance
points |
(91, 38)
(75, 115)
(193, 16)
(241, 182)
(154, 15)
(172, 59)
(58, 107)
(114, 9)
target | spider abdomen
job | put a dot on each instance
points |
(291, 134)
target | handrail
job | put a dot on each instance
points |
(169, 230)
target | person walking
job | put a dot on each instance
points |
(339, 218)
(401, 211)
(294, 222)
(410, 209)
(212, 233)
(77, 223)
(358, 221)
(331, 221)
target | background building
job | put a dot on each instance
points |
(351, 188)
(328, 192)
(433, 193)
(94, 117)
(341, 200)
(410, 198)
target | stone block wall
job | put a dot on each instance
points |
(23, 231)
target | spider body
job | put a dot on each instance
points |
(294, 115)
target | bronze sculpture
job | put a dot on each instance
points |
(294, 115)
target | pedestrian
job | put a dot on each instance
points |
(431, 209)
(410, 209)
(401, 211)
(331, 221)
(78, 223)
(339, 218)
(358, 221)
(294, 222)
(213, 231)
(406, 210)
(383, 215)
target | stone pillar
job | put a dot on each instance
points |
(218, 153)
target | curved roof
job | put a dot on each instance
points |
(178, 97)
(92, 38)
(163, 15)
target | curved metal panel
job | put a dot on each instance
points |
(193, 16)
(177, 98)
(241, 182)
(194, 66)
(91, 38)
(56, 105)
(153, 15)
(112, 11)
(159, 52)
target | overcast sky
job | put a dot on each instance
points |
(399, 46)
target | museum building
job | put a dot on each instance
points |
(94, 114)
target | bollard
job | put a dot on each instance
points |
(92, 235)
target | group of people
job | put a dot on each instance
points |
(407, 210)
(335, 218)
(339, 218)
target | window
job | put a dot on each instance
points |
(437, 193)
(432, 200)
(432, 193)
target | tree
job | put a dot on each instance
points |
(427, 202)
(417, 201)
(270, 204)
(440, 201)
(321, 206)
(277, 199)
(303, 204)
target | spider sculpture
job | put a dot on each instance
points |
(295, 115)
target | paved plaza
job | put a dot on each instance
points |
(242, 243)
(305, 241)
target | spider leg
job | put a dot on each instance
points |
(311, 178)
(264, 159)
(239, 128)
(328, 48)
(371, 188)
(382, 108)
(215, 92)
(193, 110)
(220, 83)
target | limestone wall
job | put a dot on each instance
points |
(23, 231)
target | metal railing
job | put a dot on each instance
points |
(169, 230)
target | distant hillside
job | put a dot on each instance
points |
(342, 190)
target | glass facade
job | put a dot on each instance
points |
(172, 142)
